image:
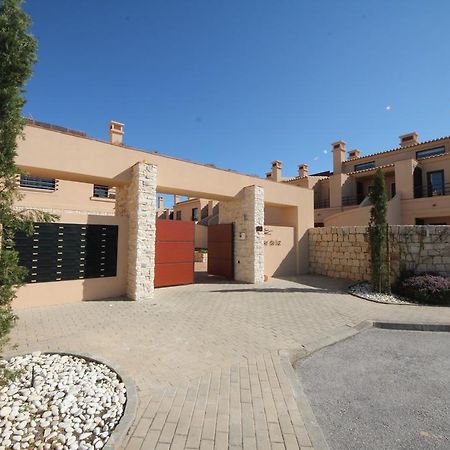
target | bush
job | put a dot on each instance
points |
(426, 288)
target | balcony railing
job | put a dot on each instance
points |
(319, 204)
(430, 190)
(42, 183)
(350, 200)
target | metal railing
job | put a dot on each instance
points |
(432, 190)
(101, 191)
(29, 181)
(350, 200)
(319, 204)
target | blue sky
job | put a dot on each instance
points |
(239, 83)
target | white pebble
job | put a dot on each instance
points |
(5, 411)
(71, 404)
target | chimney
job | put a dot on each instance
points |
(409, 139)
(176, 199)
(352, 154)
(338, 156)
(160, 202)
(303, 170)
(116, 132)
(276, 170)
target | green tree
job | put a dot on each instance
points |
(378, 234)
(17, 56)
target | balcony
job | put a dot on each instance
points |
(430, 190)
(320, 204)
(350, 200)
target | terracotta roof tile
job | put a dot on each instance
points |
(398, 148)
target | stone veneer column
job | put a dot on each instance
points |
(141, 210)
(246, 211)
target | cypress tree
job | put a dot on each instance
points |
(17, 56)
(378, 234)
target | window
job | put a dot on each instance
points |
(46, 184)
(418, 184)
(194, 213)
(100, 191)
(178, 215)
(364, 166)
(393, 190)
(430, 152)
(435, 183)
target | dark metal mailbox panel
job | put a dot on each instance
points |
(61, 251)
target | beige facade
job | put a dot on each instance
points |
(67, 168)
(195, 209)
(417, 183)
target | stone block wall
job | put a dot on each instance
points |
(141, 210)
(424, 248)
(339, 252)
(343, 252)
(246, 211)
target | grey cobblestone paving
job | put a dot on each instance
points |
(205, 357)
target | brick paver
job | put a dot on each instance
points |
(205, 357)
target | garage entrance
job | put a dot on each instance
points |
(221, 250)
(174, 253)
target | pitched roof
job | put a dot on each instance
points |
(398, 148)
(370, 170)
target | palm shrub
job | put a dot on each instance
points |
(378, 235)
(17, 56)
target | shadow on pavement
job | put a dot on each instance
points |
(275, 290)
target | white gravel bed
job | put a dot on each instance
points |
(364, 290)
(59, 402)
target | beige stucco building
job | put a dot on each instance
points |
(92, 183)
(417, 183)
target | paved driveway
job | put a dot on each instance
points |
(382, 389)
(205, 357)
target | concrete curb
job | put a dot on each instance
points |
(413, 326)
(117, 439)
(312, 427)
(290, 358)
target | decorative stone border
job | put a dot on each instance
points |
(391, 304)
(290, 358)
(116, 440)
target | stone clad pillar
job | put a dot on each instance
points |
(246, 211)
(141, 209)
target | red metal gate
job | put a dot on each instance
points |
(174, 259)
(220, 250)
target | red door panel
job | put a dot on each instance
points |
(174, 258)
(220, 250)
(174, 252)
(174, 274)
